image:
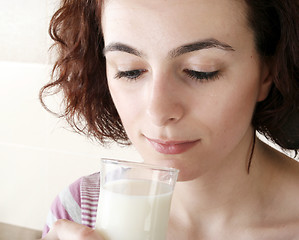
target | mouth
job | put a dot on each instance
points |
(172, 147)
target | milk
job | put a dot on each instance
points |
(134, 210)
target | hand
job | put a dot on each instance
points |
(67, 230)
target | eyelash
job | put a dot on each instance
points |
(130, 75)
(201, 76)
(198, 76)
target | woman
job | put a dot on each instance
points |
(188, 83)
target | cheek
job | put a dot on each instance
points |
(229, 111)
(239, 97)
(127, 105)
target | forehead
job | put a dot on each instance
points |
(172, 22)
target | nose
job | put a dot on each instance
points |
(165, 103)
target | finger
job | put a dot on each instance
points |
(67, 230)
(52, 234)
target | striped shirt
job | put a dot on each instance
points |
(77, 203)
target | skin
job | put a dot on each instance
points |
(172, 106)
(202, 127)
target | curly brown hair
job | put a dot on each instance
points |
(80, 70)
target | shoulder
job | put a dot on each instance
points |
(285, 186)
(66, 205)
(91, 181)
(77, 202)
(72, 201)
(90, 190)
(281, 189)
(281, 199)
(287, 231)
(82, 188)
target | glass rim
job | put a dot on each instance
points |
(139, 164)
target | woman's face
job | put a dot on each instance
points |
(185, 78)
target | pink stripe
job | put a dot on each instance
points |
(75, 191)
(89, 225)
(86, 195)
(90, 205)
(89, 199)
(91, 183)
(93, 186)
(89, 209)
(90, 189)
(89, 214)
(88, 220)
(59, 211)
(91, 195)
(45, 231)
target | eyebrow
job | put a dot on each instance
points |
(195, 46)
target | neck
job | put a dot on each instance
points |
(222, 196)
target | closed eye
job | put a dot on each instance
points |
(130, 75)
(200, 76)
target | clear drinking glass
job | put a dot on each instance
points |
(134, 201)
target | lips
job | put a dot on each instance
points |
(172, 147)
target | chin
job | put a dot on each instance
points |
(184, 174)
(185, 177)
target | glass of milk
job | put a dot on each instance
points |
(134, 201)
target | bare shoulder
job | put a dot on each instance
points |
(286, 168)
(289, 174)
(288, 231)
(283, 193)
